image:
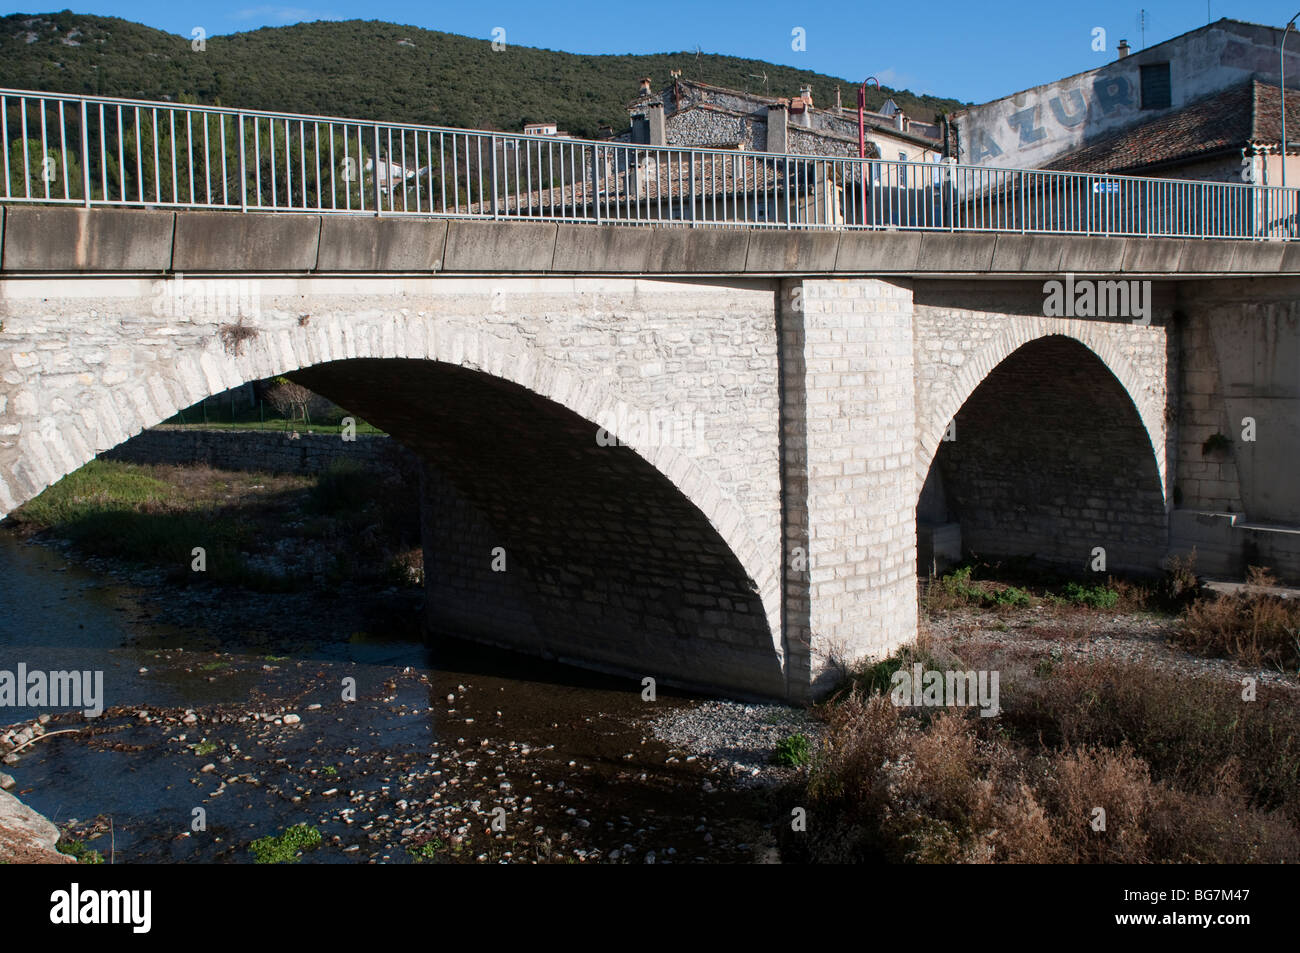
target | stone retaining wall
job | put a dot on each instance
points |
(273, 451)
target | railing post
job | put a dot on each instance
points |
(85, 154)
(950, 191)
(595, 184)
(692, 174)
(785, 185)
(379, 195)
(1024, 209)
(496, 211)
(243, 168)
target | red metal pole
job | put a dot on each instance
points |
(862, 121)
(862, 144)
(862, 118)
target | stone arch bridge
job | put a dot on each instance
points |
(778, 403)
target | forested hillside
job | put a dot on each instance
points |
(375, 70)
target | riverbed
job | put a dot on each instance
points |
(233, 715)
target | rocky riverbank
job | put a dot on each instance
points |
(25, 836)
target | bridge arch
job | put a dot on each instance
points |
(1018, 330)
(1050, 457)
(131, 394)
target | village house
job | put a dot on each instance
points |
(1204, 105)
(690, 113)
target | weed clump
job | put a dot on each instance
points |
(285, 848)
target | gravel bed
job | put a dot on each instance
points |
(740, 738)
(1136, 638)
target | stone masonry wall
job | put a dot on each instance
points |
(848, 457)
(273, 451)
(1241, 350)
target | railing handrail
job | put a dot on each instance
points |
(574, 179)
(237, 111)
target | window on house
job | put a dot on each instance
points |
(1155, 86)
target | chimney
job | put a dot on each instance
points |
(900, 121)
(805, 93)
(658, 129)
(1122, 49)
(778, 121)
(839, 105)
(645, 86)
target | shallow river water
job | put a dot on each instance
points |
(231, 716)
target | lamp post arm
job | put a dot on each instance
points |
(862, 113)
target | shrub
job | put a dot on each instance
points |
(1180, 582)
(291, 400)
(1251, 625)
(958, 589)
(1184, 771)
(1095, 597)
(344, 484)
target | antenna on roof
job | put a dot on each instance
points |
(1144, 21)
(763, 77)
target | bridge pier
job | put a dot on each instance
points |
(848, 437)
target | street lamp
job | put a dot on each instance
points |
(862, 109)
(1281, 65)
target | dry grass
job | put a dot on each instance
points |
(1184, 769)
(1253, 626)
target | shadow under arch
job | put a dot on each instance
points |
(1050, 458)
(540, 539)
(1017, 332)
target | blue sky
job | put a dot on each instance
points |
(973, 49)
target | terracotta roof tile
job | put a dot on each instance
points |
(1232, 118)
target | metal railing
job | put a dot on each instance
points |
(102, 151)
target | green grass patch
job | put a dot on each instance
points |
(80, 852)
(285, 848)
(99, 485)
(121, 511)
(204, 748)
(958, 588)
(428, 850)
(876, 678)
(1095, 597)
(793, 751)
